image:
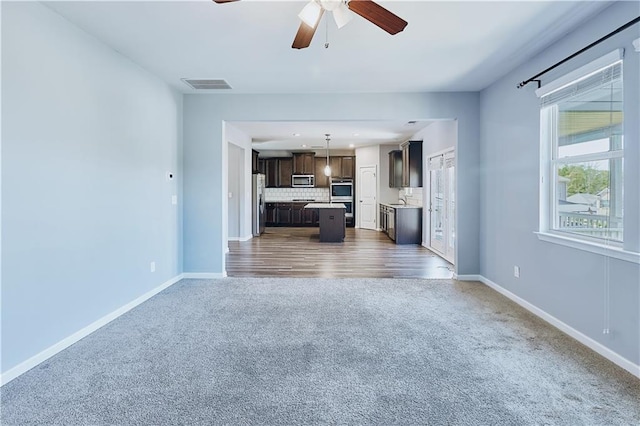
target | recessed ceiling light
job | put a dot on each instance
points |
(296, 134)
(356, 134)
(351, 145)
(304, 146)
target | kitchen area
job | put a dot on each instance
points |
(294, 185)
(297, 190)
(388, 176)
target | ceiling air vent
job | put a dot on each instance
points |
(206, 84)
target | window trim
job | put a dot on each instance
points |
(609, 250)
(548, 164)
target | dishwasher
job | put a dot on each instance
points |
(391, 223)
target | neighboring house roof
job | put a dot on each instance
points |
(569, 207)
(586, 199)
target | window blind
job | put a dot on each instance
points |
(605, 76)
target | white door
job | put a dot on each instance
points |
(450, 198)
(442, 205)
(436, 204)
(367, 188)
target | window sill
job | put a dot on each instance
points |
(609, 251)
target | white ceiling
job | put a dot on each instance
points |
(447, 45)
(310, 135)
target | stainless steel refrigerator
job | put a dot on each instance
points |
(257, 201)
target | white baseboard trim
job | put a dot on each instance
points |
(572, 332)
(468, 277)
(27, 365)
(247, 238)
(204, 275)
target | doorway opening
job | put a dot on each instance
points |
(442, 204)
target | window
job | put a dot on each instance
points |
(582, 141)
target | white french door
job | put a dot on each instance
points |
(442, 204)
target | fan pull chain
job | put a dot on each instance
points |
(326, 26)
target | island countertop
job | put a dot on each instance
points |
(325, 206)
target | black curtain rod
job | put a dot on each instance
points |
(600, 40)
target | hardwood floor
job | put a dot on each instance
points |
(297, 252)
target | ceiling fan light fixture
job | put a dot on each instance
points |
(342, 15)
(311, 14)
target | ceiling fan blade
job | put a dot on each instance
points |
(224, 1)
(378, 15)
(305, 34)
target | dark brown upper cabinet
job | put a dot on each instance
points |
(412, 164)
(278, 172)
(321, 180)
(342, 167)
(303, 163)
(285, 170)
(395, 169)
(255, 161)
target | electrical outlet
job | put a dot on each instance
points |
(174, 199)
(516, 271)
(153, 266)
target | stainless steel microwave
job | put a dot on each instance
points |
(303, 181)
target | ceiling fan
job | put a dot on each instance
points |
(341, 9)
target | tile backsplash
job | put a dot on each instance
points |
(413, 196)
(288, 194)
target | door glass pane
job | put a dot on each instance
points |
(451, 200)
(437, 205)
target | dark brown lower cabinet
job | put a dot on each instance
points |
(283, 214)
(290, 214)
(270, 214)
(296, 213)
(303, 217)
(310, 217)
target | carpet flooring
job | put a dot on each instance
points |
(259, 351)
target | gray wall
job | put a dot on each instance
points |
(236, 190)
(387, 195)
(366, 156)
(436, 137)
(566, 283)
(243, 167)
(206, 159)
(87, 137)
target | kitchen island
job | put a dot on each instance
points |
(332, 221)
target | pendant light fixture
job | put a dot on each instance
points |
(327, 168)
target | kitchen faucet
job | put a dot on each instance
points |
(404, 200)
